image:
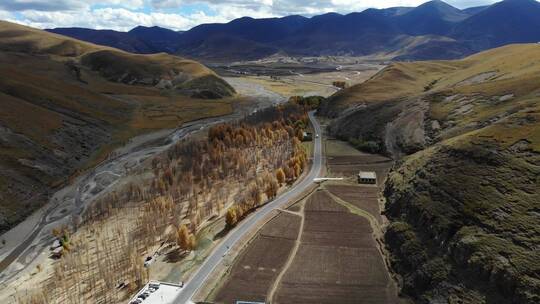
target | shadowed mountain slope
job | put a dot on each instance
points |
(464, 195)
(509, 21)
(433, 30)
(142, 40)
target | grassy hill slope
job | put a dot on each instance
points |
(464, 196)
(65, 103)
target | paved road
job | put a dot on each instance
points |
(220, 252)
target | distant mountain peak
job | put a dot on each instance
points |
(141, 28)
(440, 8)
(519, 2)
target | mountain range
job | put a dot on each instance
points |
(433, 30)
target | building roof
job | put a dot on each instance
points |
(367, 175)
(165, 294)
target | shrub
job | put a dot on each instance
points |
(369, 146)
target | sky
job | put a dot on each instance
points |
(123, 15)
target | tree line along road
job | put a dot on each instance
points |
(252, 222)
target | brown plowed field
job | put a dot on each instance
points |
(364, 198)
(283, 226)
(349, 166)
(337, 230)
(256, 269)
(321, 201)
(337, 262)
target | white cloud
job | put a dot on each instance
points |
(65, 5)
(116, 18)
(4, 15)
(131, 4)
(159, 4)
(42, 5)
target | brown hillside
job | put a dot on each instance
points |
(463, 200)
(65, 103)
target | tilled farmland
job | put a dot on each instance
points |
(326, 251)
(337, 261)
(364, 198)
(349, 166)
(258, 266)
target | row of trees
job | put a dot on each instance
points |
(309, 102)
(183, 187)
(287, 174)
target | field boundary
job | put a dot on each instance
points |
(222, 273)
(378, 233)
(292, 255)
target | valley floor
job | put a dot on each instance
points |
(26, 260)
(325, 248)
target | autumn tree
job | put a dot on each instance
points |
(183, 237)
(280, 175)
(272, 188)
(297, 170)
(254, 194)
(231, 217)
(339, 84)
(289, 173)
(192, 242)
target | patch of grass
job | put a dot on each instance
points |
(339, 148)
(369, 146)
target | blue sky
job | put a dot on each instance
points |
(179, 14)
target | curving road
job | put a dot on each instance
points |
(220, 252)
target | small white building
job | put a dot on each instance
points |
(367, 177)
(157, 293)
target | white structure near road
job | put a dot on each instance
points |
(157, 293)
(367, 177)
(322, 179)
